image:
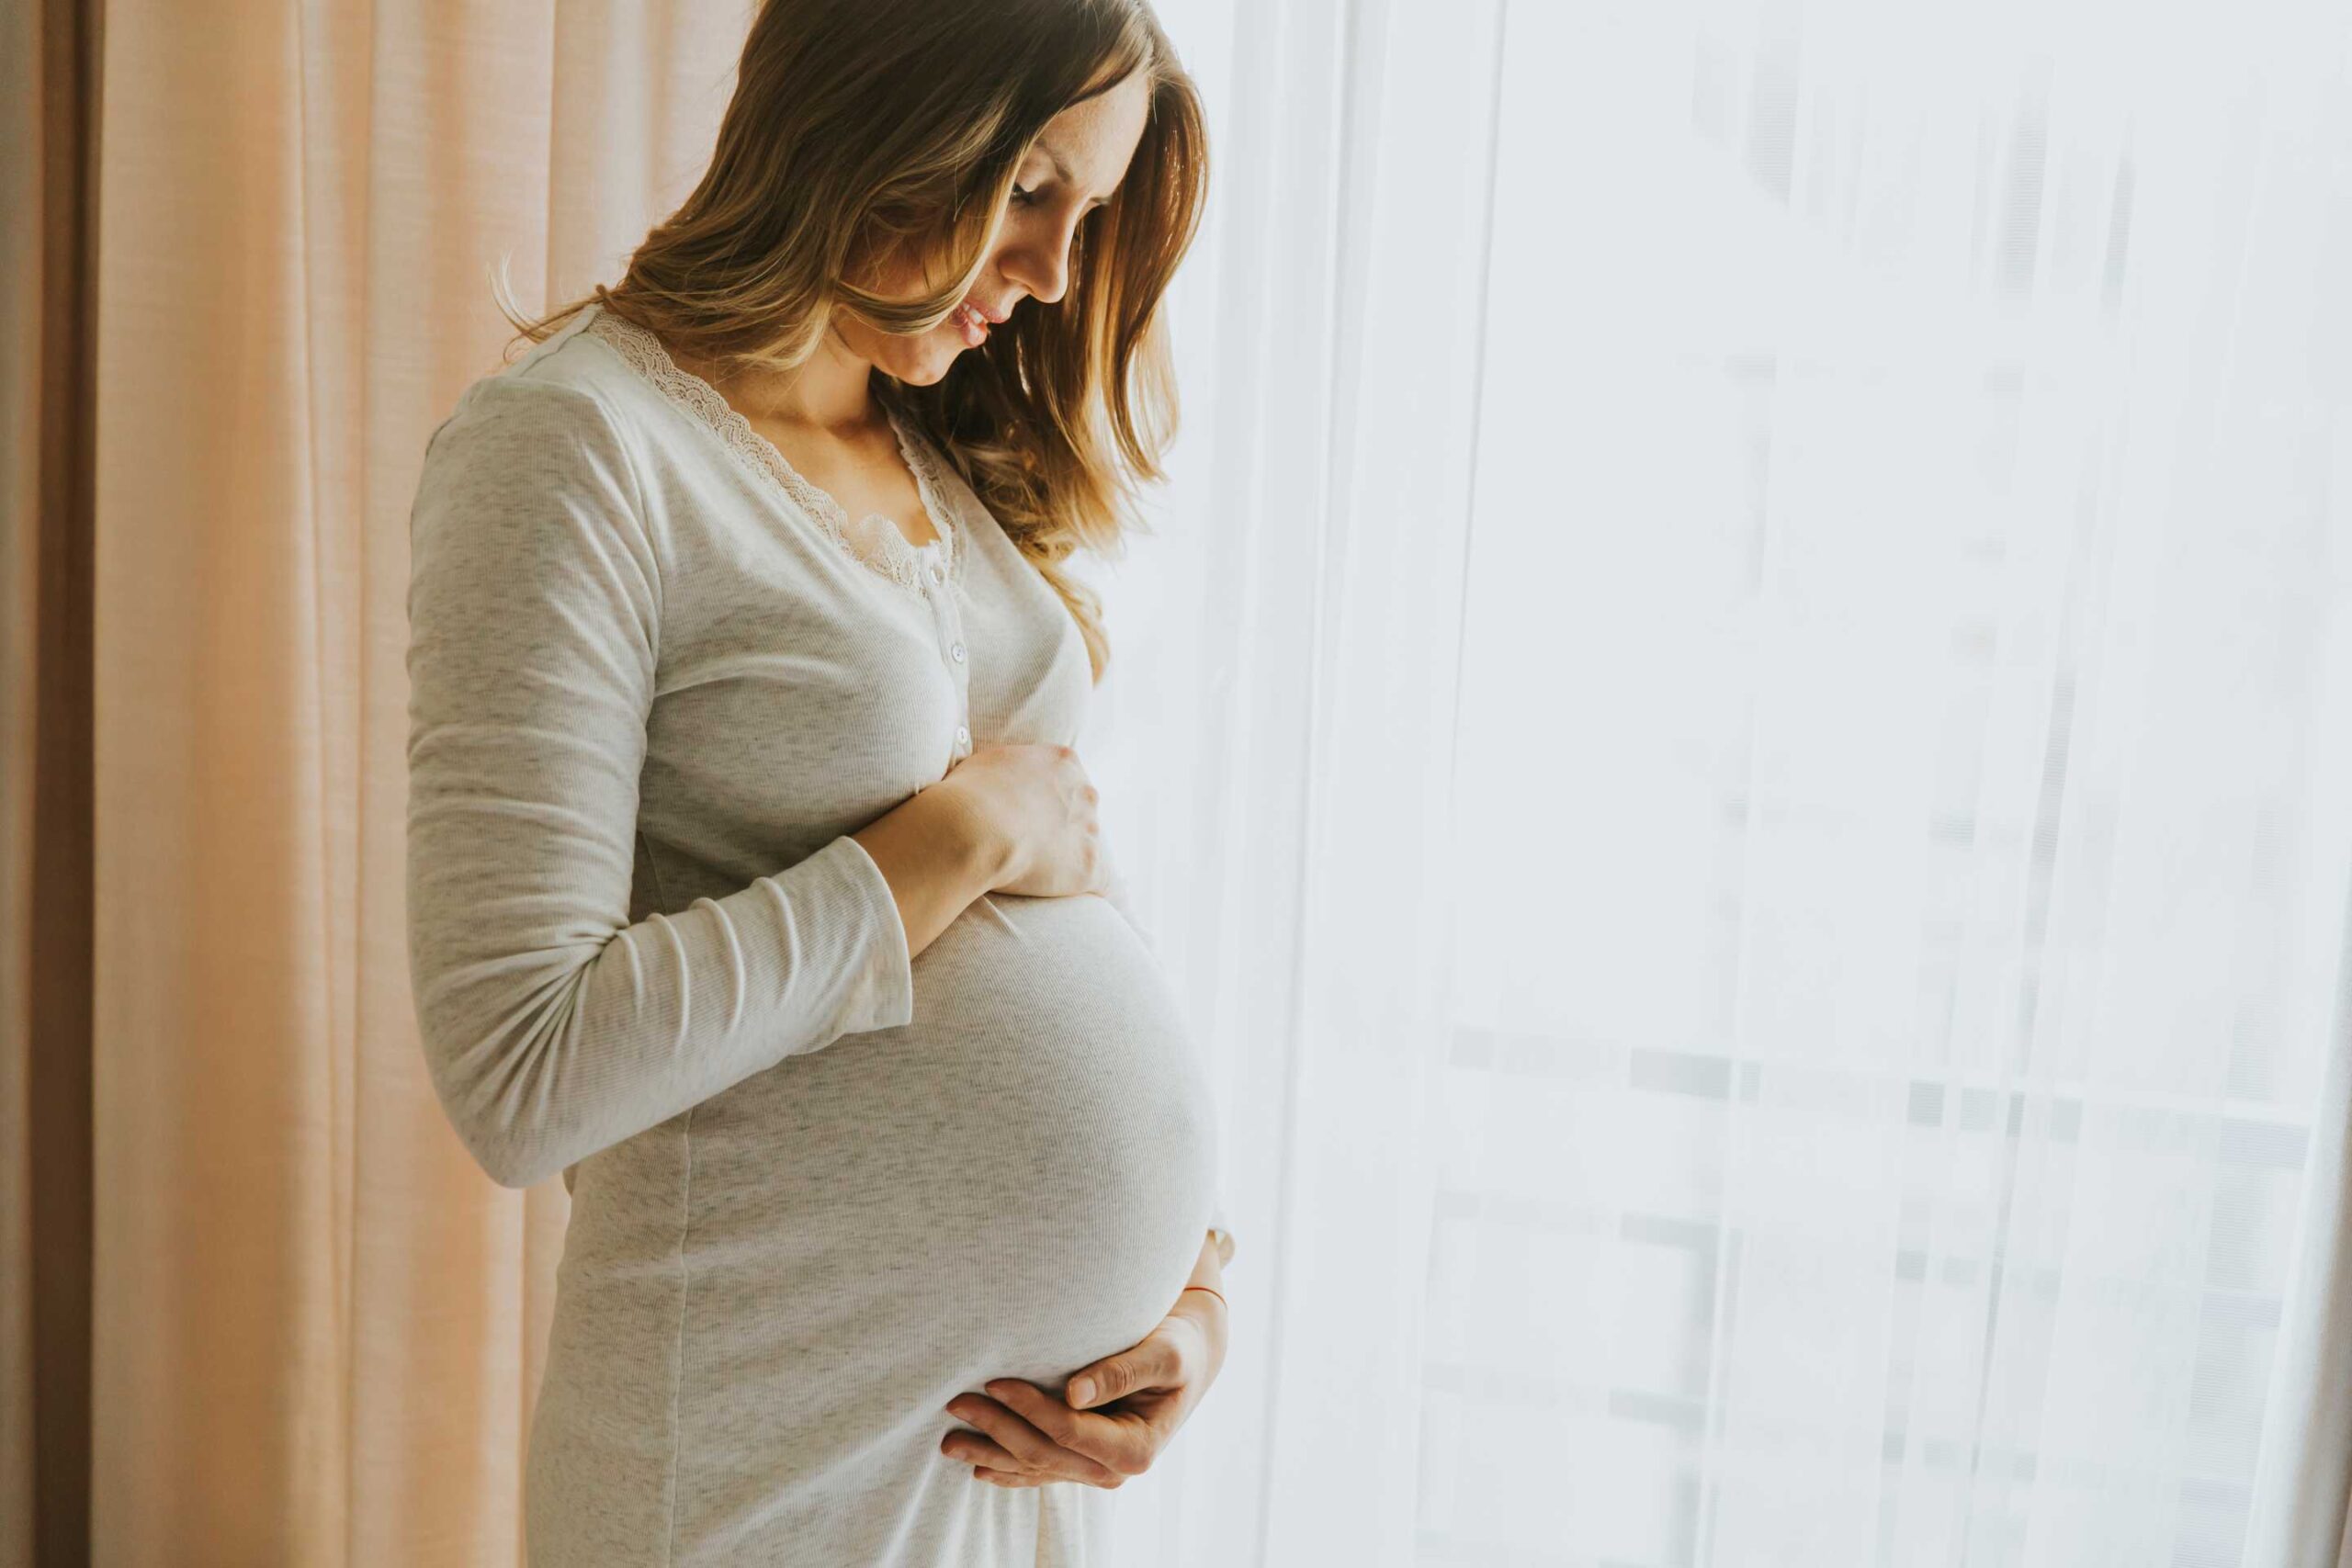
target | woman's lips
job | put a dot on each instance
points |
(970, 324)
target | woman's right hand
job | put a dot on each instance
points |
(1036, 801)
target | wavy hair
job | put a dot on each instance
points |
(863, 133)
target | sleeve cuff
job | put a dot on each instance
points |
(883, 990)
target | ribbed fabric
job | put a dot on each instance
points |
(818, 1187)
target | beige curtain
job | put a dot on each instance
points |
(313, 1327)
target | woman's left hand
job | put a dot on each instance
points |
(1106, 1433)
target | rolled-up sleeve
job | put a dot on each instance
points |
(551, 1025)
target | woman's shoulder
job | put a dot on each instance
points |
(530, 473)
(562, 379)
(544, 434)
(565, 399)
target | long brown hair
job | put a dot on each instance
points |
(865, 131)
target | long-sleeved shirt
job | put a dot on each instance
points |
(818, 1186)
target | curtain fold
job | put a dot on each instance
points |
(2302, 1500)
(49, 103)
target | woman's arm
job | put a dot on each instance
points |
(551, 1025)
(938, 853)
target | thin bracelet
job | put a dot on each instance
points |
(1218, 1295)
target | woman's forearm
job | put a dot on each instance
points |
(1209, 1270)
(1210, 1312)
(938, 855)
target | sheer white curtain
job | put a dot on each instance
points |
(1739, 728)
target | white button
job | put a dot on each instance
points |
(939, 574)
(963, 735)
(956, 653)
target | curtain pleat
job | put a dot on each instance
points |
(48, 103)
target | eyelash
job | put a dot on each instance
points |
(1028, 197)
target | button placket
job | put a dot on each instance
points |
(949, 614)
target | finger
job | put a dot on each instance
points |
(973, 1448)
(1152, 1364)
(1123, 1447)
(1006, 1477)
(1023, 1445)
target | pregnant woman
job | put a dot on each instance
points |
(753, 884)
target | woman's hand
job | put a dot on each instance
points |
(1103, 1434)
(1033, 804)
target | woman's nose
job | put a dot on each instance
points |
(1042, 277)
(1039, 271)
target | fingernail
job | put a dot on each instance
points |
(1081, 1393)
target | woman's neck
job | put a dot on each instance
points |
(830, 394)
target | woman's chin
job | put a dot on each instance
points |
(933, 361)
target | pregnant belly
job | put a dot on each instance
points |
(1016, 1182)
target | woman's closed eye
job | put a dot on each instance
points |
(1029, 198)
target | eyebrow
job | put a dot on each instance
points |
(1063, 169)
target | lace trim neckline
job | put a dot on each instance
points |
(872, 541)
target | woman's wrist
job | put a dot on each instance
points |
(1207, 1281)
(990, 853)
(1205, 1308)
(936, 853)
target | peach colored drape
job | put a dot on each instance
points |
(314, 1326)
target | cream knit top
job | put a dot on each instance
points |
(818, 1187)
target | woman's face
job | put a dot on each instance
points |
(1074, 166)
